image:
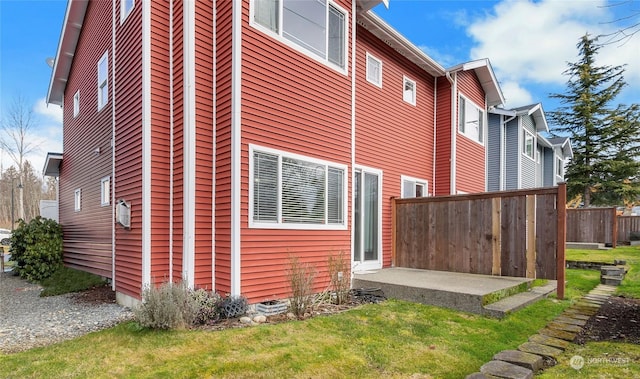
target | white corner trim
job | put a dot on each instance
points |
(146, 144)
(189, 203)
(236, 156)
(213, 163)
(113, 145)
(454, 132)
(171, 142)
(350, 175)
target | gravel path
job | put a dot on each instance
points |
(28, 320)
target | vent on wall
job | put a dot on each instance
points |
(123, 214)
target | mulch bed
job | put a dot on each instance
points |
(96, 295)
(618, 320)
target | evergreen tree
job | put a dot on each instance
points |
(605, 140)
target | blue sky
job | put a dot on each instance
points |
(528, 43)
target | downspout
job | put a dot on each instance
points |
(171, 141)
(146, 144)
(214, 148)
(113, 145)
(454, 91)
(236, 134)
(503, 127)
(353, 127)
(435, 112)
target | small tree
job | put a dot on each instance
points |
(301, 277)
(605, 140)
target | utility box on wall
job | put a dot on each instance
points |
(123, 213)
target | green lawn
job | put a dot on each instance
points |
(392, 339)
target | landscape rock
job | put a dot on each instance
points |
(527, 360)
(506, 370)
(260, 319)
(245, 320)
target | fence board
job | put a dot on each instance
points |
(481, 234)
(594, 225)
(626, 225)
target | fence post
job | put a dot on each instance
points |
(561, 239)
(614, 231)
(393, 232)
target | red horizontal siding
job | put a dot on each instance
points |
(443, 138)
(87, 233)
(391, 134)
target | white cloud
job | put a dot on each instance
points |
(50, 112)
(515, 95)
(49, 136)
(531, 42)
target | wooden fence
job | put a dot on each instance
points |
(501, 233)
(626, 225)
(592, 225)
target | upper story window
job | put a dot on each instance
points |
(317, 26)
(412, 187)
(126, 6)
(528, 144)
(103, 87)
(470, 120)
(77, 200)
(409, 91)
(76, 103)
(374, 70)
(290, 191)
(105, 191)
(559, 167)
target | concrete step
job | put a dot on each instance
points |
(520, 300)
(611, 280)
(586, 246)
(612, 271)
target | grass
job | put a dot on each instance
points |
(66, 280)
(394, 339)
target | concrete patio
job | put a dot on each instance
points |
(481, 294)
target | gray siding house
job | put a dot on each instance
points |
(518, 154)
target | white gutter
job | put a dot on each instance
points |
(353, 126)
(236, 134)
(435, 108)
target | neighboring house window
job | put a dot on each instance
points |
(560, 167)
(470, 120)
(291, 191)
(126, 6)
(77, 200)
(103, 87)
(527, 144)
(374, 70)
(318, 26)
(76, 104)
(105, 191)
(409, 91)
(412, 187)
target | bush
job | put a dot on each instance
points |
(36, 248)
(340, 278)
(301, 277)
(169, 306)
(207, 307)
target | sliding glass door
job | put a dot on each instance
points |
(367, 217)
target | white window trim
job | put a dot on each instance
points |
(524, 144)
(424, 182)
(124, 13)
(379, 83)
(77, 200)
(370, 265)
(76, 104)
(278, 36)
(415, 90)
(560, 167)
(103, 101)
(279, 224)
(105, 196)
(484, 120)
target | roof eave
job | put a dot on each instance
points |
(398, 42)
(365, 5)
(487, 77)
(52, 164)
(71, 28)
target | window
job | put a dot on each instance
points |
(103, 88)
(409, 91)
(470, 120)
(527, 144)
(291, 191)
(126, 6)
(317, 26)
(374, 70)
(559, 167)
(77, 200)
(412, 187)
(76, 104)
(105, 191)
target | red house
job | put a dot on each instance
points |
(211, 140)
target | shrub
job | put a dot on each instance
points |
(168, 306)
(36, 248)
(301, 277)
(207, 306)
(340, 278)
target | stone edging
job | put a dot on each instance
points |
(545, 347)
